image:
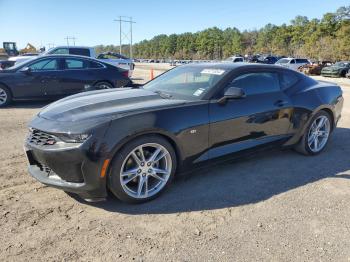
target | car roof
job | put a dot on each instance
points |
(232, 66)
(68, 46)
(66, 55)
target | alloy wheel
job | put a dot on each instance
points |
(319, 133)
(3, 96)
(104, 86)
(146, 170)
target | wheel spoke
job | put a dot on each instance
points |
(160, 171)
(140, 186)
(311, 139)
(131, 175)
(136, 158)
(140, 149)
(316, 143)
(160, 156)
(157, 177)
(321, 122)
(146, 186)
(154, 155)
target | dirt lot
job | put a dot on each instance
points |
(275, 206)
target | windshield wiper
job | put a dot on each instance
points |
(163, 95)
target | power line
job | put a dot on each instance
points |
(125, 35)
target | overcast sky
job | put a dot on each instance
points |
(91, 22)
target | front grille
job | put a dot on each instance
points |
(40, 138)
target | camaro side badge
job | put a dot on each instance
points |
(193, 131)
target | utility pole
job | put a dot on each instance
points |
(70, 38)
(50, 45)
(125, 35)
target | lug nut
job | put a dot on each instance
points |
(149, 164)
(142, 164)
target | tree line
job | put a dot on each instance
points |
(327, 38)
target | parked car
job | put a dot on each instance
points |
(267, 60)
(133, 141)
(339, 69)
(117, 60)
(6, 64)
(235, 59)
(292, 63)
(314, 69)
(53, 76)
(114, 58)
(22, 58)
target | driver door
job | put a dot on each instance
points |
(38, 78)
(261, 116)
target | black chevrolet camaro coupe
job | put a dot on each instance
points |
(55, 76)
(133, 141)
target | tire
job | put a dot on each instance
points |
(5, 96)
(126, 177)
(103, 85)
(307, 144)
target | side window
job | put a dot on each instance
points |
(292, 62)
(74, 64)
(301, 61)
(257, 83)
(95, 65)
(44, 65)
(288, 79)
(60, 51)
(79, 51)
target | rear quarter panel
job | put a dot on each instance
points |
(308, 98)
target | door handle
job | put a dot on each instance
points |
(280, 103)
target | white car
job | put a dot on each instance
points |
(22, 58)
(235, 59)
(292, 63)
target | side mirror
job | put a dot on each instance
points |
(232, 93)
(26, 70)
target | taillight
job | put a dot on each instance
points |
(125, 73)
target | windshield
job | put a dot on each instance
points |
(341, 64)
(283, 61)
(186, 82)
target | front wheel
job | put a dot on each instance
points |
(316, 135)
(103, 85)
(5, 96)
(142, 169)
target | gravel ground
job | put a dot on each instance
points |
(274, 206)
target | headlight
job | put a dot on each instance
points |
(73, 138)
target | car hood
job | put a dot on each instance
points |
(111, 103)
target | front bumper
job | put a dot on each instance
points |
(330, 74)
(70, 168)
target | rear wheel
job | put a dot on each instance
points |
(142, 169)
(5, 96)
(317, 135)
(103, 85)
